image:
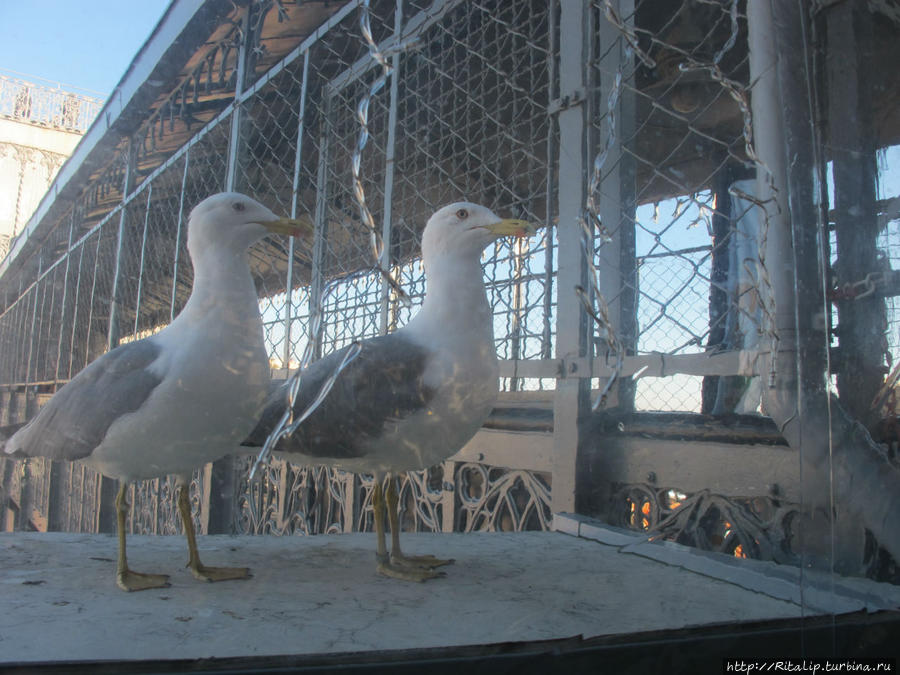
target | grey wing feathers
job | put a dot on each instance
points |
(75, 421)
(383, 384)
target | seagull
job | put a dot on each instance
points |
(412, 398)
(180, 398)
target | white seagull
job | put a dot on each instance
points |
(413, 398)
(181, 398)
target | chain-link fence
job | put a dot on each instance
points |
(653, 211)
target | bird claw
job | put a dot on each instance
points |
(404, 573)
(204, 573)
(138, 581)
(420, 561)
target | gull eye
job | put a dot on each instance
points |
(462, 214)
(238, 206)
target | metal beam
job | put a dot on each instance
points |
(571, 403)
(616, 263)
(387, 225)
(416, 26)
(178, 234)
(234, 141)
(739, 362)
(862, 320)
(317, 281)
(140, 288)
(295, 193)
(63, 322)
(113, 334)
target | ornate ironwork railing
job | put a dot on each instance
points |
(45, 105)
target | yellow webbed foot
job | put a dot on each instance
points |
(204, 573)
(138, 581)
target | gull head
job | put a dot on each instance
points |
(235, 221)
(468, 228)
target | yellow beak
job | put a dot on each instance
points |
(512, 227)
(293, 227)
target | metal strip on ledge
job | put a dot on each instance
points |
(818, 591)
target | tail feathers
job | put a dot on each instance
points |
(6, 433)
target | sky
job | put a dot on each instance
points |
(85, 44)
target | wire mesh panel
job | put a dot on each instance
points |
(205, 175)
(344, 243)
(270, 122)
(472, 124)
(82, 298)
(160, 233)
(670, 123)
(79, 505)
(15, 333)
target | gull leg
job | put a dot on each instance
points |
(126, 579)
(198, 569)
(387, 565)
(381, 555)
(416, 561)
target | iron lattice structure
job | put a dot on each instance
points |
(623, 128)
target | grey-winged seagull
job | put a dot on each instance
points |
(413, 398)
(182, 397)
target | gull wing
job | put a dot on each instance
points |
(76, 419)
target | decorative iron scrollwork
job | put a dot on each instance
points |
(757, 527)
(289, 499)
(498, 499)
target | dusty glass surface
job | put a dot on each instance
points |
(695, 420)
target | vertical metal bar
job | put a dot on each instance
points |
(5, 396)
(137, 304)
(387, 226)
(62, 322)
(448, 498)
(615, 259)
(107, 487)
(222, 474)
(36, 289)
(720, 299)
(113, 335)
(862, 322)
(571, 400)
(234, 142)
(549, 232)
(87, 340)
(350, 501)
(178, 235)
(520, 249)
(295, 193)
(782, 126)
(317, 281)
(46, 284)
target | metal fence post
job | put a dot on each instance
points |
(387, 225)
(62, 323)
(571, 401)
(178, 234)
(140, 283)
(237, 115)
(106, 517)
(295, 192)
(316, 284)
(222, 497)
(31, 332)
(851, 135)
(114, 334)
(616, 258)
